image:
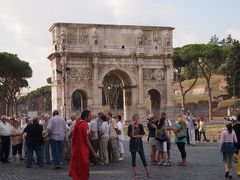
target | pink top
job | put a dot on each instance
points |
(17, 135)
(228, 137)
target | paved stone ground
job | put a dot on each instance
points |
(204, 162)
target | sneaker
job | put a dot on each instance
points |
(230, 176)
(166, 164)
(160, 163)
(226, 174)
(120, 159)
(57, 168)
(154, 163)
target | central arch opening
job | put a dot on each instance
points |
(116, 91)
(112, 93)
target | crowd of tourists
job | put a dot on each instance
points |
(91, 140)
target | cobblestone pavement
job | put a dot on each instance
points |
(204, 162)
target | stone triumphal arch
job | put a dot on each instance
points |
(83, 54)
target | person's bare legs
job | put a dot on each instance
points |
(153, 153)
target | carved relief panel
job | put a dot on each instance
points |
(72, 36)
(84, 36)
(146, 38)
(80, 74)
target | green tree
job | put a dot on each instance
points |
(49, 80)
(185, 67)
(207, 58)
(214, 40)
(226, 45)
(13, 75)
(232, 69)
(37, 100)
(210, 58)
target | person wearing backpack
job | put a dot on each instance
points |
(162, 136)
(152, 125)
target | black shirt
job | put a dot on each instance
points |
(236, 128)
(136, 144)
(34, 134)
(151, 129)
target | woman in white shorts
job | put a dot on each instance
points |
(152, 125)
(162, 144)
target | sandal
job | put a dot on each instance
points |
(149, 175)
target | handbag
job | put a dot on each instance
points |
(228, 147)
(182, 134)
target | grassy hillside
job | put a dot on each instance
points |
(215, 82)
(221, 110)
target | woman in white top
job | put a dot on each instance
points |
(228, 138)
(103, 138)
(17, 140)
(202, 129)
(120, 137)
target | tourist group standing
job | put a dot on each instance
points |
(91, 140)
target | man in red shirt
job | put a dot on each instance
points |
(79, 164)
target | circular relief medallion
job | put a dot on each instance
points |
(74, 74)
(147, 74)
(86, 74)
(158, 74)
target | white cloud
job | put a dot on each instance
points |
(183, 34)
(140, 11)
(14, 25)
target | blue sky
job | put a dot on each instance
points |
(24, 24)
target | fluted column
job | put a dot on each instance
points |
(140, 81)
(95, 89)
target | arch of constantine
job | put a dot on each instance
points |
(83, 54)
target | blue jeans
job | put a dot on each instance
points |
(57, 149)
(39, 154)
(46, 151)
